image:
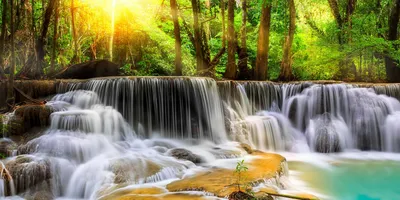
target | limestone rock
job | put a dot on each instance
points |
(6, 147)
(184, 154)
(27, 117)
(29, 172)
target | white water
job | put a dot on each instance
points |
(113, 131)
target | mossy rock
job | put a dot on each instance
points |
(7, 146)
(133, 171)
(27, 117)
(29, 172)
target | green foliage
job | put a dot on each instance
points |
(240, 168)
(144, 42)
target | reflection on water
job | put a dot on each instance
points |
(348, 176)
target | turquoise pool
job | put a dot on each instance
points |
(357, 176)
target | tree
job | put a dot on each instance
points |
(2, 37)
(260, 72)
(41, 42)
(76, 58)
(55, 35)
(178, 40)
(201, 65)
(392, 65)
(205, 65)
(10, 92)
(286, 65)
(344, 33)
(243, 54)
(231, 69)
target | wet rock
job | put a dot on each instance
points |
(27, 117)
(160, 149)
(222, 182)
(247, 148)
(7, 146)
(184, 154)
(239, 195)
(133, 170)
(91, 69)
(41, 192)
(29, 173)
(327, 141)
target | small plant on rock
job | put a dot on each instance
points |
(240, 168)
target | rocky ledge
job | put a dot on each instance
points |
(262, 177)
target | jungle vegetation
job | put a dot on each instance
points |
(280, 40)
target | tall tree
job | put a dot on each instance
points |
(231, 69)
(344, 25)
(55, 36)
(3, 37)
(392, 65)
(76, 58)
(243, 55)
(201, 65)
(205, 65)
(178, 40)
(286, 65)
(261, 70)
(222, 6)
(41, 42)
(10, 92)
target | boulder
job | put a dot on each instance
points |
(29, 173)
(327, 140)
(247, 148)
(27, 117)
(91, 69)
(133, 170)
(7, 146)
(184, 154)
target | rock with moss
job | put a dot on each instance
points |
(7, 147)
(185, 154)
(27, 117)
(30, 173)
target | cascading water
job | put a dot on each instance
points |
(112, 131)
(172, 107)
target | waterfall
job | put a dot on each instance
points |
(112, 131)
(179, 108)
(332, 117)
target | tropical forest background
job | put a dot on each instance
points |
(283, 40)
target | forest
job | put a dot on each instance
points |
(345, 40)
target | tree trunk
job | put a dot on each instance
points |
(178, 40)
(333, 4)
(231, 65)
(392, 65)
(286, 65)
(38, 72)
(55, 35)
(261, 71)
(2, 38)
(201, 66)
(244, 73)
(10, 92)
(76, 58)
(223, 23)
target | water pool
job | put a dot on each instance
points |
(350, 176)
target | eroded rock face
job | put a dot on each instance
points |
(30, 173)
(27, 117)
(7, 147)
(91, 69)
(133, 171)
(221, 182)
(184, 154)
